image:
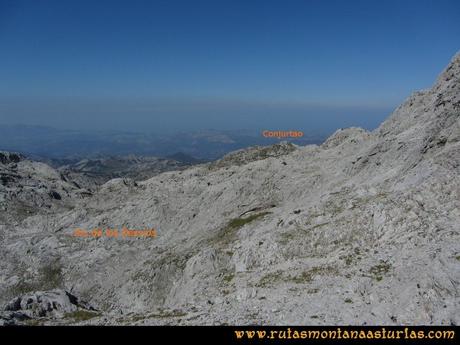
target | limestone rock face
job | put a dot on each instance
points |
(28, 187)
(10, 157)
(346, 136)
(42, 304)
(363, 229)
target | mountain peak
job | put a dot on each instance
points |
(427, 110)
(447, 85)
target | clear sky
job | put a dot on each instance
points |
(162, 65)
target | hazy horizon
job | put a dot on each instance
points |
(254, 117)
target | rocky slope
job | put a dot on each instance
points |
(91, 173)
(28, 187)
(363, 229)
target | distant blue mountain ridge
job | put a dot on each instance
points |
(202, 145)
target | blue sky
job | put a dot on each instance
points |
(166, 65)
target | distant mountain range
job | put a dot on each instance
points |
(188, 147)
(91, 173)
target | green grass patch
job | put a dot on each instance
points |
(33, 322)
(227, 278)
(286, 237)
(163, 314)
(270, 278)
(237, 223)
(82, 315)
(378, 271)
(307, 276)
(228, 233)
(304, 277)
